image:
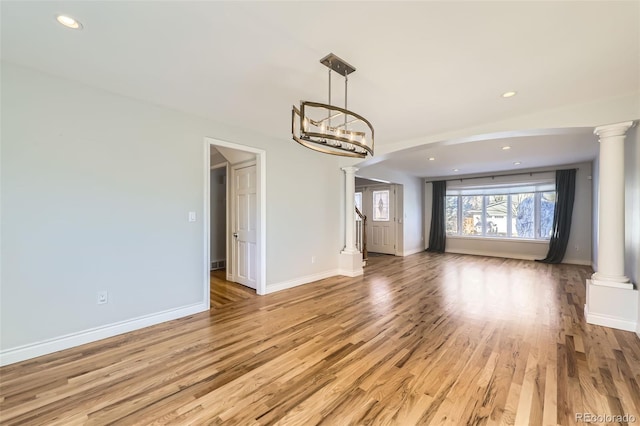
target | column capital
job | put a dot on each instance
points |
(609, 130)
(350, 169)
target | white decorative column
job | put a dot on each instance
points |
(611, 298)
(350, 206)
(350, 257)
(611, 208)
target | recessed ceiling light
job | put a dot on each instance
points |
(69, 22)
(432, 158)
(456, 170)
(504, 148)
(516, 163)
(508, 94)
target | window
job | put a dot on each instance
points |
(381, 206)
(522, 215)
(472, 215)
(547, 210)
(496, 216)
(451, 214)
(514, 212)
(358, 201)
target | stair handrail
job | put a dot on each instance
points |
(363, 218)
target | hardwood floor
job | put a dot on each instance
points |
(426, 339)
(223, 292)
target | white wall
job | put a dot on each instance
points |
(578, 248)
(501, 248)
(218, 212)
(632, 209)
(412, 200)
(595, 183)
(96, 189)
(632, 205)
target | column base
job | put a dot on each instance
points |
(351, 264)
(611, 281)
(610, 306)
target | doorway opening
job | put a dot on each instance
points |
(218, 211)
(235, 176)
(382, 204)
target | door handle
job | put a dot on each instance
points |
(235, 235)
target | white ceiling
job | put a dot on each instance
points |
(423, 68)
(554, 147)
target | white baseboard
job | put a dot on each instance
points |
(577, 262)
(272, 288)
(33, 350)
(511, 255)
(494, 254)
(609, 321)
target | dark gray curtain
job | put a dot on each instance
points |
(437, 235)
(565, 194)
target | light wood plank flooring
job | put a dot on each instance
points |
(426, 339)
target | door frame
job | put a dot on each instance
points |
(261, 187)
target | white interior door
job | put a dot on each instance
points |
(382, 227)
(244, 225)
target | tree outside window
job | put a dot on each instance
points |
(496, 216)
(547, 210)
(522, 215)
(472, 215)
(451, 214)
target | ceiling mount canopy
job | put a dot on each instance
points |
(331, 129)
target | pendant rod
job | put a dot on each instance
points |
(329, 86)
(346, 80)
(329, 112)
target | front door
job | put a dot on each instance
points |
(244, 270)
(382, 223)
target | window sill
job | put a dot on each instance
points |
(502, 239)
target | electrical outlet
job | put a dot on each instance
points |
(103, 297)
(313, 259)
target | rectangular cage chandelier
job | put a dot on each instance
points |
(331, 129)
